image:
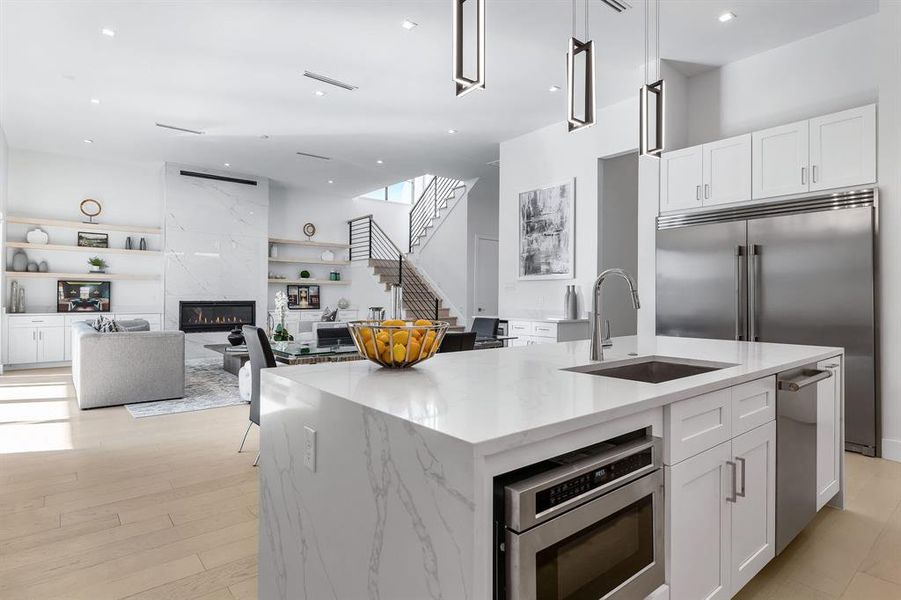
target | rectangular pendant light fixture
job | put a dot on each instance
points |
(575, 48)
(657, 90)
(465, 84)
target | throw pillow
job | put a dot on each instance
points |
(105, 325)
(329, 315)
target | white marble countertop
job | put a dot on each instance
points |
(502, 398)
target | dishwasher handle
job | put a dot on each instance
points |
(810, 377)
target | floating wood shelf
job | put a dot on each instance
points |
(309, 243)
(67, 248)
(83, 226)
(309, 261)
(311, 281)
(83, 276)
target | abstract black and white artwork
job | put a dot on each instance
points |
(546, 232)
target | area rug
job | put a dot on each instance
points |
(207, 385)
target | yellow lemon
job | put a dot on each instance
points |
(400, 353)
(415, 349)
(366, 333)
(401, 337)
(393, 323)
(383, 336)
(422, 322)
(380, 347)
(418, 333)
(386, 356)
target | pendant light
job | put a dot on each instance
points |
(648, 89)
(575, 49)
(465, 84)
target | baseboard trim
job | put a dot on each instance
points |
(891, 449)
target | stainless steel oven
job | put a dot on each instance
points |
(587, 526)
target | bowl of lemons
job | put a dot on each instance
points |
(397, 344)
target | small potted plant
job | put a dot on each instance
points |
(280, 333)
(304, 274)
(98, 265)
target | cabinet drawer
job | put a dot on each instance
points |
(36, 321)
(753, 404)
(520, 327)
(548, 330)
(694, 425)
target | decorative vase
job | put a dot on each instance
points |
(14, 297)
(37, 236)
(20, 307)
(236, 337)
(273, 251)
(32, 267)
(43, 267)
(327, 256)
(143, 244)
(343, 303)
(128, 244)
(571, 303)
(20, 261)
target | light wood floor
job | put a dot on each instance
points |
(97, 505)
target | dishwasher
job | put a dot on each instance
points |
(796, 451)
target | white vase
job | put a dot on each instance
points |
(37, 236)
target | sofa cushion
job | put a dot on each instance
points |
(133, 325)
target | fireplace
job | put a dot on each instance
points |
(214, 315)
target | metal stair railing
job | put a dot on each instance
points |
(369, 242)
(429, 205)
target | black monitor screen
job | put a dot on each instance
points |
(82, 296)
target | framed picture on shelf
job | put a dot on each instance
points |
(302, 297)
(82, 296)
(93, 240)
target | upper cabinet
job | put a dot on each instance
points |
(827, 152)
(833, 151)
(843, 149)
(780, 161)
(705, 175)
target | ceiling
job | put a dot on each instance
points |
(234, 70)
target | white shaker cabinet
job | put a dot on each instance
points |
(681, 174)
(35, 339)
(843, 149)
(727, 170)
(23, 345)
(780, 156)
(829, 429)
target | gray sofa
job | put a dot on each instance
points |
(110, 369)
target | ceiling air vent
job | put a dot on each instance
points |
(617, 5)
(316, 156)
(329, 81)
(494, 163)
(183, 129)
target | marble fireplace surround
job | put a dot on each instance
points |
(216, 236)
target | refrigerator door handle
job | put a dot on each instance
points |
(739, 255)
(753, 253)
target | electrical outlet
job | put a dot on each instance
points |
(309, 448)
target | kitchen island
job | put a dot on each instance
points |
(379, 483)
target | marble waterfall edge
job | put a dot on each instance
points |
(409, 537)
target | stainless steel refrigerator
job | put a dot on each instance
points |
(796, 272)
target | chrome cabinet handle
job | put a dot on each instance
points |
(734, 497)
(813, 173)
(833, 366)
(741, 460)
(803, 175)
(697, 192)
(706, 191)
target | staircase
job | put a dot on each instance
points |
(369, 242)
(428, 207)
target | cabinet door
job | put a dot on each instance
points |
(829, 428)
(680, 179)
(780, 161)
(23, 345)
(51, 344)
(843, 149)
(727, 171)
(754, 509)
(698, 523)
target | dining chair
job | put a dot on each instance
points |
(261, 357)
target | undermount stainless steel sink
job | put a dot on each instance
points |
(651, 369)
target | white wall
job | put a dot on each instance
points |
(52, 185)
(482, 221)
(290, 208)
(4, 178)
(618, 227)
(889, 167)
(545, 157)
(824, 73)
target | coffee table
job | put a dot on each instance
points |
(310, 353)
(231, 361)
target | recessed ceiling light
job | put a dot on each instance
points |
(380, 162)
(228, 164)
(264, 137)
(86, 141)
(726, 17)
(319, 93)
(330, 181)
(452, 131)
(408, 24)
(95, 100)
(108, 32)
(554, 88)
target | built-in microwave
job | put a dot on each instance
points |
(585, 525)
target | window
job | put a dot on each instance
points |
(402, 192)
